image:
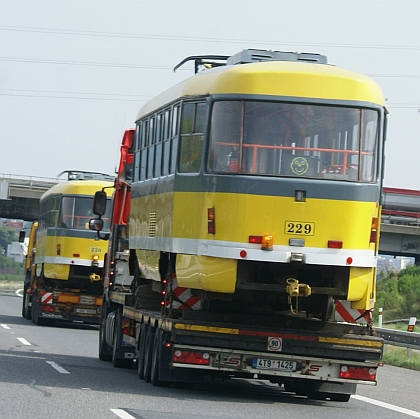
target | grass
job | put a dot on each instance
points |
(402, 357)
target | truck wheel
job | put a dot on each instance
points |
(24, 301)
(118, 362)
(338, 397)
(148, 354)
(34, 314)
(154, 374)
(104, 351)
(142, 348)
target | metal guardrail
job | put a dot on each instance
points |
(410, 340)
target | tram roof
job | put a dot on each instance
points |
(275, 78)
(79, 187)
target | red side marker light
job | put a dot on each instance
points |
(335, 244)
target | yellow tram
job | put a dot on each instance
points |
(68, 262)
(258, 180)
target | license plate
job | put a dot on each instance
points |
(85, 311)
(299, 228)
(273, 364)
(85, 299)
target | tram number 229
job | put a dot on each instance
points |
(302, 228)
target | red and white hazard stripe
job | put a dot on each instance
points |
(344, 313)
(47, 298)
(183, 298)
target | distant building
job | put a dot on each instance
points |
(15, 252)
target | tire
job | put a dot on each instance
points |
(156, 355)
(34, 314)
(142, 348)
(105, 353)
(148, 353)
(338, 397)
(118, 362)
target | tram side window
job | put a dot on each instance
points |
(143, 150)
(174, 138)
(158, 147)
(166, 141)
(137, 148)
(192, 128)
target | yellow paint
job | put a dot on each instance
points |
(238, 216)
(279, 78)
(355, 342)
(56, 271)
(361, 290)
(208, 273)
(198, 328)
(66, 298)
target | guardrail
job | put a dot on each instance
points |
(409, 340)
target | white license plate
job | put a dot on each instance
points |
(86, 299)
(273, 364)
(85, 311)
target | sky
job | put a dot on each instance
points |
(73, 75)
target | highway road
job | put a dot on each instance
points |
(54, 372)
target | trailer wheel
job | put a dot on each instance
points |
(339, 397)
(104, 351)
(26, 310)
(34, 314)
(156, 355)
(118, 362)
(148, 353)
(141, 350)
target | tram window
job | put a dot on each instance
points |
(225, 136)
(167, 124)
(143, 150)
(191, 148)
(175, 126)
(77, 211)
(54, 208)
(293, 139)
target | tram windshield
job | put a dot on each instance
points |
(77, 211)
(290, 139)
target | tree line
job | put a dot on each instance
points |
(398, 294)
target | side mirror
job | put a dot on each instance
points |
(99, 203)
(96, 224)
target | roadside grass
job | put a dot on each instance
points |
(11, 282)
(401, 357)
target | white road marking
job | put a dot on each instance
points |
(57, 367)
(5, 326)
(23, 341)
(122, 414)
(387, 406)
(19, 292)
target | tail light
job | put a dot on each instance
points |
(357, 373)
(187, 356)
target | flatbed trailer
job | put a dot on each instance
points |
(309, 357)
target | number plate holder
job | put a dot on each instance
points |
(274, 364)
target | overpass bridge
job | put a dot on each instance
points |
(400, 224)
(20, 195)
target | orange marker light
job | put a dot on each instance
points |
(267, 242)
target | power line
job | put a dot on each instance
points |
(152, 67)
(81, 63)
(197, 39)
(55, 94)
